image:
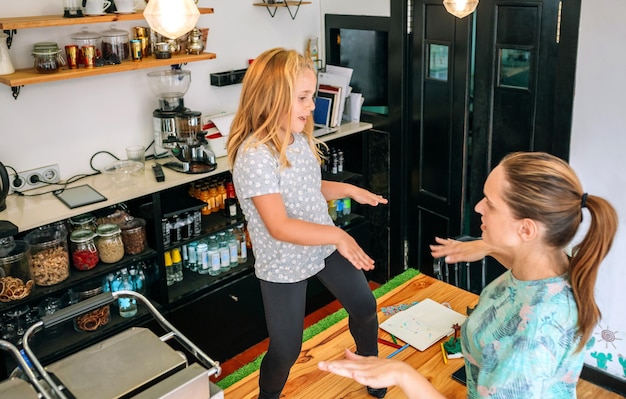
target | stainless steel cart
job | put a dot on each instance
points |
(135, 363)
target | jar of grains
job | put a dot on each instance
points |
(109, 243)
(94, 319)
(83, 248)
(50, 261)
(134, 236)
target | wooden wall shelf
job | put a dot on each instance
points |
(273, 7)
(29, 76)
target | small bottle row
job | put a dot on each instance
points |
(213, 255)
(339, 208)
(332, 160)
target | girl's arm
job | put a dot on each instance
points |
(333, 190)
(272, 210)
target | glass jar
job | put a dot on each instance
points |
(94, 319)
(84, 252)
(48, 57)
(115, 46)
(16, 281)
(50, 261)
(86, 38)
(109, 243)
(134, 236)
(117, 214)
(84, 221)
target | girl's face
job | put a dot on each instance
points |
(499, 227)
(302, 101)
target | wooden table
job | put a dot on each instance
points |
(307, 382)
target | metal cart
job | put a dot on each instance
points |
(135, 363)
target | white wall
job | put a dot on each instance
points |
(597, 154)
(66, 122)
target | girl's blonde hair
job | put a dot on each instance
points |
(266, 100)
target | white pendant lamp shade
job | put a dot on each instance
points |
(460, 8)
(171, 18)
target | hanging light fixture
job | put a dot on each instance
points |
(460, 8)
(171, 18)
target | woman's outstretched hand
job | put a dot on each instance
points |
(459, 251)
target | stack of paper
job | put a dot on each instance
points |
(423, 324)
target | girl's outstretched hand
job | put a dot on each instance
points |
(350, 249)
(363, 196)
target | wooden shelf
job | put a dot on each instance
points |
(285, 4)
(58, 20)
(23, 77)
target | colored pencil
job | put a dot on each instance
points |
(385, 342)
(398, 351)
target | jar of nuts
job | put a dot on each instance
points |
(15, 275)
(134, 236)
(84, 252)
(50, 261)
(109, 243)
(94, 319)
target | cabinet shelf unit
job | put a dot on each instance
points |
(289, 5)
(29, 76)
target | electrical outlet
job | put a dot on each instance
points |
(34, 178)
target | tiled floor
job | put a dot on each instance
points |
(252, 353)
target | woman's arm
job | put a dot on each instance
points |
(272, 210)
(465, 251)
(378, 373)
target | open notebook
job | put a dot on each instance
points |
(423, 324)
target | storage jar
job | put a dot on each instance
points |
(115, 46)
(48, 58)
(109, 243)
(50, 261)
(84, 252)
(84, 221)
(134, 236)
(86, 38)
(15, 276)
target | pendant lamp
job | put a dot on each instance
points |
(460, 8)
(171, 18)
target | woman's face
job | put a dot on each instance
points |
(302, 101)
(498, 226)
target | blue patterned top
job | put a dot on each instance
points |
(520, 341)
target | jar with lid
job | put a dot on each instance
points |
(115, 46)
(83, 248)
(109, 243)
(134, 236)
(86, 38)
(15, 270)
(84, 221)
(48, 58)
(117, 214)
(94, 319)
(50, 261)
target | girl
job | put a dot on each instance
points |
(277, 176)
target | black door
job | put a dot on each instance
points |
(508, 87)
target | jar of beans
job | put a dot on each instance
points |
(94, 319)
(83, 248)
(134, 236)
(109, 243)
(50, 261)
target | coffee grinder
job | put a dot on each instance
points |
(178, 130)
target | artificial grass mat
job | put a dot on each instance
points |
(317, 328)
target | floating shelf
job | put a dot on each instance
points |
(29, 76)
(282, 4)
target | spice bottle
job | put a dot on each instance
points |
(109, 243)
(83, 248)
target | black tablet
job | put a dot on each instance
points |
(79, 196)
(459, 375)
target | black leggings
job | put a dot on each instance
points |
(284, 305)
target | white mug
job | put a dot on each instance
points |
(126, 6)
(96, 7)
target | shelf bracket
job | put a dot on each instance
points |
(16, 91)
(286, 2)
(10, 33)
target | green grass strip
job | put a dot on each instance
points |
(317, 328)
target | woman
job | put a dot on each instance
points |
(277, 176)
(527, 334)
